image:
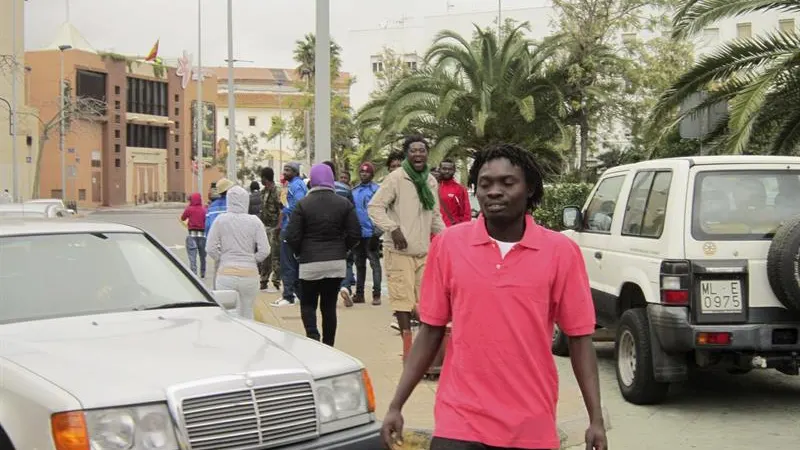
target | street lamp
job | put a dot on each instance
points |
(62, 49)
(201, 163)
(322, 83)
(231, 100)
(306, 72)
(280, 120)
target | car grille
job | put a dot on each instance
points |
(258, 418)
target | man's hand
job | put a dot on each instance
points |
(399, 240)
(392, 428)
(596, 437)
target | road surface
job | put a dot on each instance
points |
(760, 410)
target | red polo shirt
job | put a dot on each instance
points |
(499, 384)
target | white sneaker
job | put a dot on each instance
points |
(395, 326)
(271, 290)
(344, 294)
(281, 303)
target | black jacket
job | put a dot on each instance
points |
(255, 203)
(322, 227)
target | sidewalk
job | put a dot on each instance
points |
(363, 331)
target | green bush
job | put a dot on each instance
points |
(556, 197)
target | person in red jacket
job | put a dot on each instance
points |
(194, 217)
(453, 198)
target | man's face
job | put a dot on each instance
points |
(418, 155)
(265, 182)
(436, 174)
(394, 164)
(288, 173)
(447, 170)
(344, 177)
(501, 191)
(365, 175)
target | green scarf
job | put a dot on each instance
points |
(420, 180)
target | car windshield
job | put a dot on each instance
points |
(744, 205)
(54, 275)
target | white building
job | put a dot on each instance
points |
(411, 36)
(262, 95)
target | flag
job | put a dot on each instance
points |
(153, 52)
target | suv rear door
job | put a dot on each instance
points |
(733, 211)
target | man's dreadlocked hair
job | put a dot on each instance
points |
(518, 157)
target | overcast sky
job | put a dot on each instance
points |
(264, 30)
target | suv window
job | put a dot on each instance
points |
(599, 214)
(743, 204)
(647, 204)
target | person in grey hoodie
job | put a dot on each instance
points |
(238, 243)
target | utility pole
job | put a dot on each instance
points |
(201, 164)
(62, 102)
(12, 113)
(280, 118)
(231, 100)
(322, 84)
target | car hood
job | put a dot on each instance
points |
(133, 357)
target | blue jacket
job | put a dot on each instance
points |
(296, 190)
(343, 190)
(217, 207)
(362, 194)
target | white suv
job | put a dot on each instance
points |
(693, 262)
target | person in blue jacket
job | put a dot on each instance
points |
(217, 206)
(296, 189)
(369, 247)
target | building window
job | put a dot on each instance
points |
(177, 137)
(177, 97)
(786, 25)
(177, 151)
(116, 118)
(116, 90)
(147, 97)
(710, 36)
(117, 162)
(90, 84)
(117, 134)
(177, 165)
(117, 105)
(177, 111)
(411, 65)
(252, 121)
(82, 194)
(226, 121)
(96, 159)
(177, 125)
(744, 30)
(146, 136)
(55, 193)
(117, 148)
(377, 66)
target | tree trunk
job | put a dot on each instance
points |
(37, 170)
(584, 126)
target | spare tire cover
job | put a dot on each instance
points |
(783, 264)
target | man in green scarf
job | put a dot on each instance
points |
(406, 208)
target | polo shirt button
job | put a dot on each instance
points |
(498, 266)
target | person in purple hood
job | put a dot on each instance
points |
(322, 229)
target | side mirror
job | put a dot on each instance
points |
(571, 218)
(227, 299)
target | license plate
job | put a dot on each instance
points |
(721, 297)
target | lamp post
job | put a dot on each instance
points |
(307, 119)
(322, 83)
(201, 163)
(231, 100)
(62, 49)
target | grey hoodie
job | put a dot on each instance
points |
(237, 239)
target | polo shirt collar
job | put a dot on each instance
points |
(530, 239)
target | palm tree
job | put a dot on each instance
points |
(304, 56)
(471, 94)
(759, 77)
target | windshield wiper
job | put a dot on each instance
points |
(177, 305)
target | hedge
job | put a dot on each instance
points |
(556, 197)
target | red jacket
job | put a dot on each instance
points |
(454, 203)
(195, 213)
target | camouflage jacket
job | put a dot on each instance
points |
(270, 206)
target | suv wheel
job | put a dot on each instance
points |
(635, 361)
(560, 346)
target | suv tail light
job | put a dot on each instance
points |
(675, 283)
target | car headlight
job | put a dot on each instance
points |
(344, 396)
(143, 427)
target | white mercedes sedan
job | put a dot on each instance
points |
(107, 342)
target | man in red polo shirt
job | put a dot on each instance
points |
(499, 385)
